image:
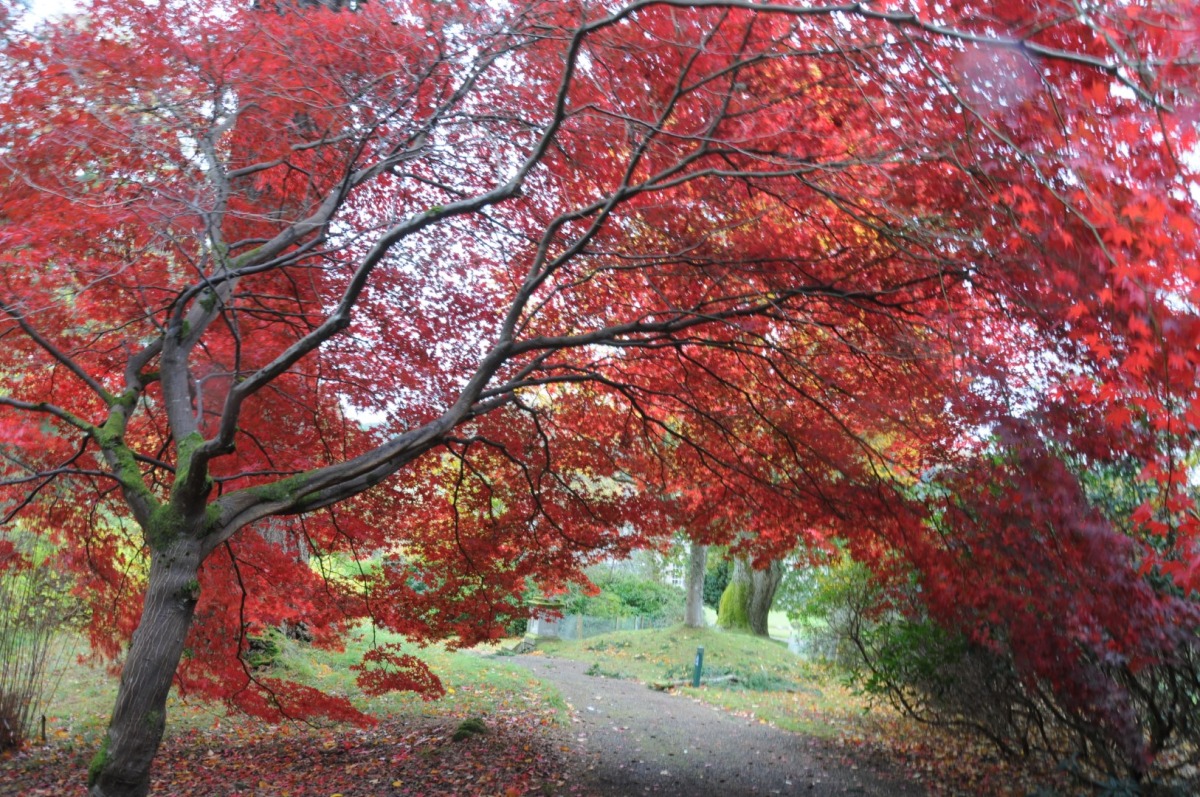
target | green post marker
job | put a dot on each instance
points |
(699, 666)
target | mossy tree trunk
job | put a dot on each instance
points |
(747, 599)
(693, 616)
(122, 766)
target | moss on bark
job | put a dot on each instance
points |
(732, 610)
(165, 527)
(98, 762)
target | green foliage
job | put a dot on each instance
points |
(35, 610)
(472, 726)
(264, 649)
(797, 589)
(914, 653)
(347, 567)
(646, 597)
(846, 617)
(627, 595)
(939, 677)
(836, 590)
(716, 578)
(605, 604)
(828, 604)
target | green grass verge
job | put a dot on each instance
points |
(778, 624)
(475, 685)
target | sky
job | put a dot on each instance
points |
(41, 9)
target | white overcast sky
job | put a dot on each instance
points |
(40, 9)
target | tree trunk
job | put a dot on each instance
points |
(763, 586)
(747, 599)
(731, 611)
(122, 766)
(693, 616)
(277, 532)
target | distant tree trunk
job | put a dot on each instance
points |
(747, 599)
(763, 586)
(279, 533)
(693, 616)
(731, 611)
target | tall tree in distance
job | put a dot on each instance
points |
(747, 600)
(693, 612)
(410, 278)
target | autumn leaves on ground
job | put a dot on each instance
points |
(498, 730)
(412, 750)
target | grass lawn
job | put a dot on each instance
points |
(413, 749)
(475, 685)
(773, 684)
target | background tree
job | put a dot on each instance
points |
(747, 600)
(716, 578)
(693, 616)
(517, 238)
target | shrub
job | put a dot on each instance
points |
(646, 597)
(716, 578)
(938, 675)
(472, 726)
(263, 650)
(834, 602)
(34, 610)
(628, 595)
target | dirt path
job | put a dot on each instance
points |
(637, 741)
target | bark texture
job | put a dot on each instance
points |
(693, 616)
(122, 766)
(748, 598)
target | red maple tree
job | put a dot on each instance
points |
(475, 285)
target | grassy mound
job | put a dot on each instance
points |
(771, 684)
(669, 654)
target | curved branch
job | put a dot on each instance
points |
(58, 354)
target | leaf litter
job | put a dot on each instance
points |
(398, 757)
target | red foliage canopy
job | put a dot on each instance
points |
(491, 290)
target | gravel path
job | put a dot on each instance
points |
(637, 741)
